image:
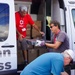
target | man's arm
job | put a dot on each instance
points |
(55, 45)
(19, 35)
(64, 73)
(57, 66)
(36, 27)
(17, 32)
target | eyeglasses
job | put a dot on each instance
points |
(51, 26)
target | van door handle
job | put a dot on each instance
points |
(74, 42)
(6, 46)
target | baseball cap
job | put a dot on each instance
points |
(23, 8)
(71, 53)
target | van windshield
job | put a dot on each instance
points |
(4, 21)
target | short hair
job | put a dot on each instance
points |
(56, 23)
(23, 8)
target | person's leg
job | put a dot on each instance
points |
(25, 56)
(24, 50)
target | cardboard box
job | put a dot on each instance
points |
(32, 32)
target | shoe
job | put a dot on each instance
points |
(26, 62)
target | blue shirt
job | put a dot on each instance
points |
(46, 64)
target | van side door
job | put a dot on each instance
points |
(8, 52)
(72, 25)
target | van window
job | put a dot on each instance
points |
(73, 15)
(4, 21)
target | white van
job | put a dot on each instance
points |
(61, 10)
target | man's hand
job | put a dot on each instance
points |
(20, 37)
(36, 27)
(64, 73)
(42, 33)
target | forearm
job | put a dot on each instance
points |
(36, 27)
(64, 73)
(55, 45)
(18, 32)
(19, 35)
(50, 45)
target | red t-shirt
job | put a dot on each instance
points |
(21, 23)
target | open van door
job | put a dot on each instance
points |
(72, 24)
(8, 52)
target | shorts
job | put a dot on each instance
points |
(23, 44)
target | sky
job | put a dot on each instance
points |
(4, 20)
(4, 14)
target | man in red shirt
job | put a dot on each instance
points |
(22, 20)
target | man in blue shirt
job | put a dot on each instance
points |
(49, 64)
